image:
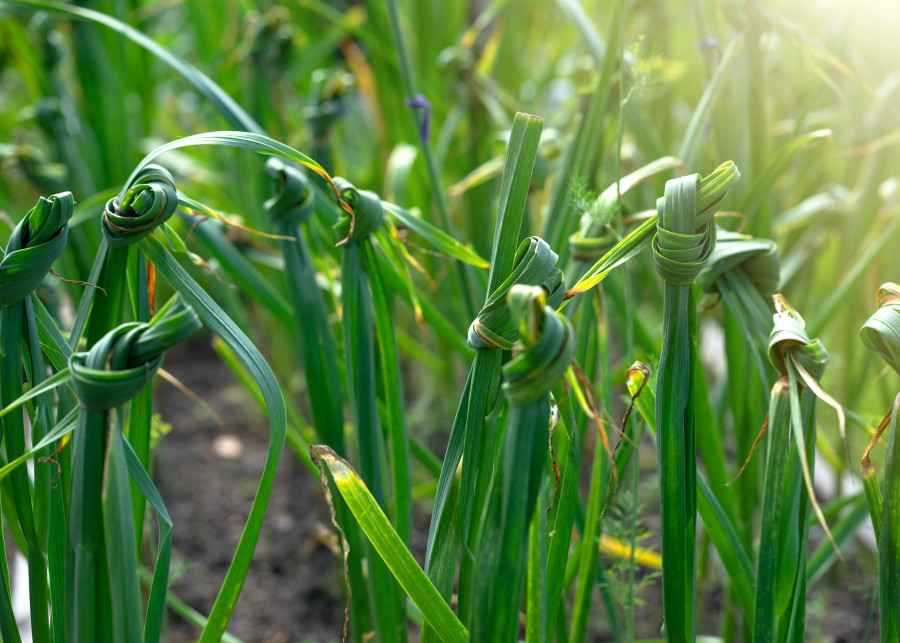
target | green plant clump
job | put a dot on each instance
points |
(510, 279)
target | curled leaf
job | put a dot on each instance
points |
(534, 265)
(36, 242)
(546, 346)
(802, 360)
(149, 202)
(366, 217)
(881, 332)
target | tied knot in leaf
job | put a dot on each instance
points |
(324, 116)
(34, 245)
(789, 340)
(534, 265)
(681, 249)
(757, 258)
(590, 248)
(545, 348)
(368, 213)
(881, 332)
(685, 235)
(327, 102)
(272, 37)
(594, 236)
(293, 198)
(124, 360)
(148, 203)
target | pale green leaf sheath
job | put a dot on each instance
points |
(684, 241)
(881, 333)
(544, 351)
(36, 242)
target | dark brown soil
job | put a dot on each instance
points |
(293, 591)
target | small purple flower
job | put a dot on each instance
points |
(421, 105)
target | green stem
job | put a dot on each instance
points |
(764, 618)
(889, 543)
(359, 355)
(677, 463)
(601, 469)
(469, 437)
(12, 321)
(393, 393)
(502, 546)
(536, 592)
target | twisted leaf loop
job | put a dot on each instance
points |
(35, 244)
(293, 200)
(681, 248)
(881, 332)
(368, 213)
(545, 349)
(801, 361)
(146, 204)
(122, 362)
(789, 339)
(594, 236)
(534, 265)
(686, 237)
(586, 247)
(711, 191)
(328, 104)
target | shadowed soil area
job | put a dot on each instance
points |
(293, 591)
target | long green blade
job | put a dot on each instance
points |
(389, 546)
(217, 321)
